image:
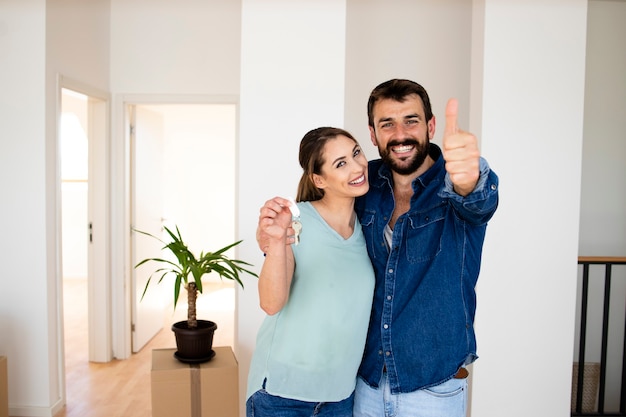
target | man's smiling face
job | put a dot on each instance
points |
(402, 133)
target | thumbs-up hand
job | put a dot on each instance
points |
(460, 151)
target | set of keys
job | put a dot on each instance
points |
(296, 225)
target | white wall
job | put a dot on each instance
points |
(23, 211)
(602, 219)
(182, 47)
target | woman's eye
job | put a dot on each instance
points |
(341, 163)
(357, 152)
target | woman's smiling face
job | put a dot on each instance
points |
(344, 172)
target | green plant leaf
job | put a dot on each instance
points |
(187, 264)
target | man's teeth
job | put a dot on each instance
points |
(404, 148)
(358, 180)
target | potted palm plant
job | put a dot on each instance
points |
(194, 338)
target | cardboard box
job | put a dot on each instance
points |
(209, 389)
(4, 388)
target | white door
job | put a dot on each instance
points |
(98, 230)
(148, 313)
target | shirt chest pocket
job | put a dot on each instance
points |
(368, 221)
(424, 233)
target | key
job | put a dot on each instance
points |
(297, 227)
(295, 218)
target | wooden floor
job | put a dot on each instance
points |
(121, 388)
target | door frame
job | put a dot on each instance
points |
(121, 268)
(99, 323)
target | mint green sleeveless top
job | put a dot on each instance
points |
(312, 348)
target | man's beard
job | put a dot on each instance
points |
(412, 163)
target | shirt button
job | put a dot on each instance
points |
(385, 326)
(388, 353)
(390, 270)
(493, 187)
(389, 297)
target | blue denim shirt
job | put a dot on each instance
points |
(422, 323)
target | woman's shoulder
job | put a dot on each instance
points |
(305, 206)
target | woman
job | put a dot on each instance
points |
(317, 291)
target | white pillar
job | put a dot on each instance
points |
(533, 67)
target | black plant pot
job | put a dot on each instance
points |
(194, 345)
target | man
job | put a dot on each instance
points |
(424, 219)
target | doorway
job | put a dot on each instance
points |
(84, 225)
(206, 165)
(83, 230)
(200, 142)
(188, 181)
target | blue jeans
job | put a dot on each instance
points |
(262, 404)
(448, 399)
